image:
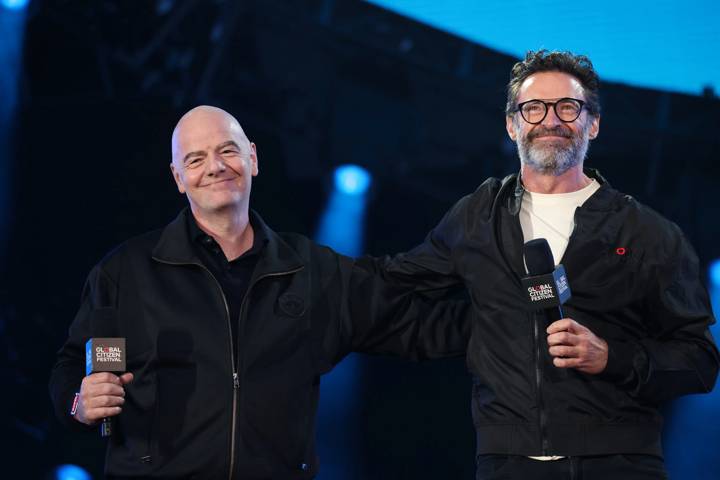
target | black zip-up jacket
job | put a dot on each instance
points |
(635, 282)
(194, 411)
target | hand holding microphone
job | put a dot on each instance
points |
(574, 346)
(570, 344)
(101, 394)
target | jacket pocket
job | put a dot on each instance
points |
(130, 450)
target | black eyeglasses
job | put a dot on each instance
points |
(535, 111)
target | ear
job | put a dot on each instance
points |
(594, 127)
(510, 127)
(254, 159)
(177, 178)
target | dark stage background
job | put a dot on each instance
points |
(315, 84)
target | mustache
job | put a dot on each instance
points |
(558, 131)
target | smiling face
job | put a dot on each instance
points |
(552, 147)
(212, 161)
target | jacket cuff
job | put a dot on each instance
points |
(625, 364)
(67, 419)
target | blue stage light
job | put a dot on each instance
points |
(12, 29)
(352, 179)
(342, 227)
(714, 272)
(14, 4)
(71, 472)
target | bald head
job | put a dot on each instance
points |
(198, 122)
(213, 162)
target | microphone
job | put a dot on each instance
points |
(546, 286)
(105, 355)
(547, 289)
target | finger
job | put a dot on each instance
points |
(559, 325)
(563, 338)
(108, 389)
(106, 401)
(566, 324)
(102, 377)
(126, 378)
(575, 327)
(91, 391)
(564, 351)
(566, 362)
(103, 412)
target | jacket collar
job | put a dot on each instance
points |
(602, 200)
(176, 247)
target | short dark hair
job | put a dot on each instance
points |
(579, 66)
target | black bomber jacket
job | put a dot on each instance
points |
(635, 282)
(194, 411)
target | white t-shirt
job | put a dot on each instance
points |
(552, 216)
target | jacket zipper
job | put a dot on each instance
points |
(538, 359)
(542, 417)
(538, 384)
(236, 365)
(235, 378)
(542, 414)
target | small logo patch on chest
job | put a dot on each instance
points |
(291, 304)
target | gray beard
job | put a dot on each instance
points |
(553, 159)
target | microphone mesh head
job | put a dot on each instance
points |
(538, 257)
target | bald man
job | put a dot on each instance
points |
(229, 326)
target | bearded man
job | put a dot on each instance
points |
(577, 397)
